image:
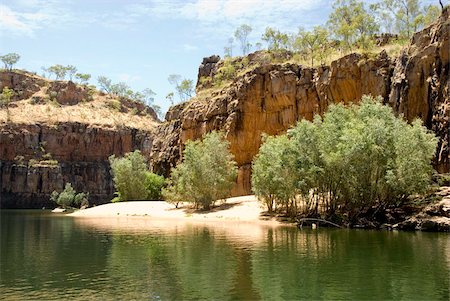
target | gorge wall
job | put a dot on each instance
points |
(272, 97)
(39, 154)
(79, 155)
(61, 132)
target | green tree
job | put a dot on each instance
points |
(430, 14)
(170, 97)
(408, 15)
(187, 88)
(275, 39)
(273, 180)
(83, 77)
(9, 60)
(351, 23)
(5, 99)
(130, 176)
(71, 71)
(228, 50)
(241, 34)
(154, 184)
(206, 174)
(121, 89)
(184, 87)
(69, 197)
(352, 159)
(105, 84)
(59, 71)
(315, 43)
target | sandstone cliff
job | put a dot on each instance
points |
(270, 98)
(56, 132)
(60, 132)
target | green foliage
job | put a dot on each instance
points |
(154, 184)
(206, 174)
(122, 90)
(69, 198)
(9, 60)
(314, 43)
(83, 77)
(228, 50)
(170, 97)
(104, 83)
(58, 70)
(6, 96)
(275, 39)
(351, 23)
(129, 176)
(229, 70)
(272, 173)
(406, 16)
(184, 87)
(132, 179)
(241, 34)
(354, 158)
(5, 99)
(71, 70)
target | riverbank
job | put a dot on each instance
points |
(238, 209)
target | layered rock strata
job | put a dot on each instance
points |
(37, 159)
(272, 97)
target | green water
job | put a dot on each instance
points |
(46, 256)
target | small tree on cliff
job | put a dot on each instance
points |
(9, 60)
(5, 99)
(241, 34)
(206, 174)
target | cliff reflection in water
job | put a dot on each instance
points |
(50, 257)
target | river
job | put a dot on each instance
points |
(47, 256)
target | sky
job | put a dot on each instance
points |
(141, 42)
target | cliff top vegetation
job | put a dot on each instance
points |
(36, 99)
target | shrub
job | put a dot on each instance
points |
(271, 179)
(350, 160)
(132, 180)
(206, 174)
(154, 184)
(69, 198)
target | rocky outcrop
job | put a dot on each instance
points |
(37, 159)
(40, 154)
(384, 39)
(272, 97)
(24, 84)
(421, 83)
(68, 93)
(434, 217)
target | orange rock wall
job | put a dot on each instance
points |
(271, 98)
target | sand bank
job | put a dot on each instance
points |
(238, 209)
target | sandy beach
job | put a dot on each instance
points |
(239, 209)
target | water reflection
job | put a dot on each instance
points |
(48, 257)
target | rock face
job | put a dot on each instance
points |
(24, 85)
(271, 98)
(39, 155)
(434, 217)
(37, 159)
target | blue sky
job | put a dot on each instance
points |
(141, 42)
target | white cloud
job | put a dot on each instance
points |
(211, 10)
(189, 47)
(128, 78)
(12, 21)
(27, 16)
(220, 17)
